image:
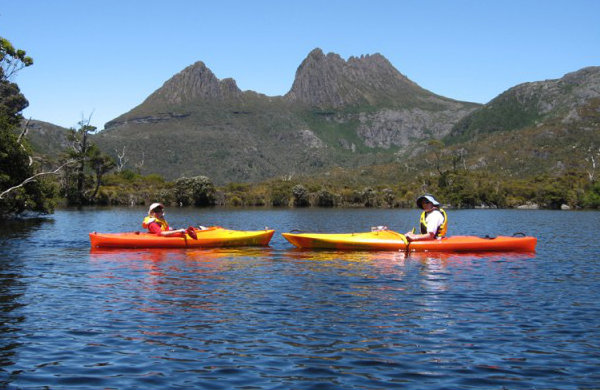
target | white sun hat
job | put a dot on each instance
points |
(428, 197)
(155, 205)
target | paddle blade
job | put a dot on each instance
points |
(191, 232)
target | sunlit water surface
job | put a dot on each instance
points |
(279, 318)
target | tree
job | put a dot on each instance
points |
(325, 198)
(100, 164)
(21, 188)
(12, 60)
(198, 191)
(83, 180)
(12, 101)
(592, 197)
(280, 193)
(203, 191)
(591, 158)
(123, 160)
(300, 194)
(369, 197)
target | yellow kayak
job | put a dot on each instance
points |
(375, 240)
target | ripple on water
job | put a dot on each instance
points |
(276, 318)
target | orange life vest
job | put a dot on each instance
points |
(148, 220)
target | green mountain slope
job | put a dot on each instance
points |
(337, 113)
(537, 142)
(531, 104)
(46, 138)
(358, 123)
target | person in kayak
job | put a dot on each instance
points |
(156, 223)
(434, 221)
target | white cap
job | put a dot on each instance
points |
(155, 205)
(429, 198)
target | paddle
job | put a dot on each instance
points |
(400, 235)
(406, 242)
(403, 239)
(191, 232)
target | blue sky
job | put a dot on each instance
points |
(102, 58)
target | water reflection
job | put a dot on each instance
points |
(12, 287)
(166, 288)
(282, 318)
(392, 259)
(21, 228)
(200, 260)
(11, 292)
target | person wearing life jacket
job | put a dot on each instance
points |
(434, 221)
(156, 223)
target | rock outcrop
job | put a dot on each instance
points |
(193, 84)
(532, 103)
(336, 112)
(328, 81)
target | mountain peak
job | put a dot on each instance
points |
(196, 82)
(329, 81)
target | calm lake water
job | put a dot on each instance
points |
(280, 318)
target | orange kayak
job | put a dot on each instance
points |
(214, 236)
(389, 240)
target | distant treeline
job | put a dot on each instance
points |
(466, 189)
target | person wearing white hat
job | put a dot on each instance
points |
(434, 221)
(156, 223)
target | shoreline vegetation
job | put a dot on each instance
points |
(462, 190)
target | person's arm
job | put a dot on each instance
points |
(168, 233)
(155, 229)
(419, 237)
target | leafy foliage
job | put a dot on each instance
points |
(82, 180)
(197, 191)
(300, 194)
(591, 199)
(11, 59)
(16, 165)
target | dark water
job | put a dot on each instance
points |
(278, 318)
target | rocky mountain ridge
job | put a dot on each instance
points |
(531, 104)
(328, 81)
(337, 112)
(346, 114)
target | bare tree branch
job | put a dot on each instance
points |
(592, 170)
(122, 159)
(140, 164)
(32, 178)
(20, 140)
(23, 132)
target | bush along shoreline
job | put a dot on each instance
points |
(469, 191)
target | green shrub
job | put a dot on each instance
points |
(325, 198)
(300, 195)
